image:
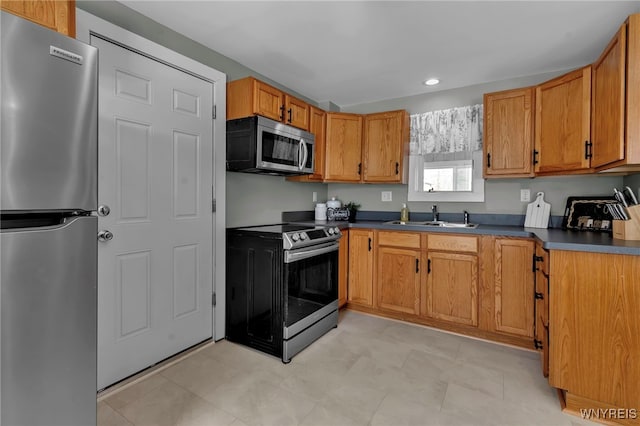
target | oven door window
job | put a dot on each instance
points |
(312, 283)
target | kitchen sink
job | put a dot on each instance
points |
(433, 223)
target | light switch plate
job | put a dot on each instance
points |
(525, 195)
(386, 195)
(315, 196)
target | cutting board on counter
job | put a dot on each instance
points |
(538, 213)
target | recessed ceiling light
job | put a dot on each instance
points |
(432, 82)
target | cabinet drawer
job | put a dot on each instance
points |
(399, 239)
(452, 243)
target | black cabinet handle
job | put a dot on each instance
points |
(369, 244)
(397, 168)
(359, 168)
(281, 112)
(539, 295)
(488, 160)
(535, 156)
(417, 265)
(289, 112)
(588, 150)
(428, 266)
(535, 260)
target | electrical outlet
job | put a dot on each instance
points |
(315, 196)
(386, 195)
(525, 195)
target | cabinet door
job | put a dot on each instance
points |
(296, 112)
(542, 307)
(514, 286)
(398, 279)
(563, 123)
(608, 102)
(452, 287)
(267, 101)
(385, 139)
(343, 268)
(360, 289)
(343, 160)
(594, 327)
(508, 131)
(57, 15)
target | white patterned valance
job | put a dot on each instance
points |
(447, 130)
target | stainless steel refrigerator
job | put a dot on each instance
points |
(48, 244)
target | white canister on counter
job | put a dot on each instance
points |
(321, 211)
(333, 203)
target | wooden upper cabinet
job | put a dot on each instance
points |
(608, 108)
(563, 124)
(317, 126)
(615, 102)
(514, 286)
(296, 112)
(57, 15)
(360, 288)
(343, 159)
(508, 133)
(386, 140)
(249, 96)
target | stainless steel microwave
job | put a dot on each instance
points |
(260, 145)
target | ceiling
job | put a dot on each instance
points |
(351, 53)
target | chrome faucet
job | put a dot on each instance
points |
(466, 217)
(434, 210)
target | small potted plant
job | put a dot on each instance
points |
(353, 209)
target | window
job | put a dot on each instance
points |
(447, 176)
(446, 180)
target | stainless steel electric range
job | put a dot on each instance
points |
(282, 286)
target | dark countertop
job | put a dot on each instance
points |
(552, 239)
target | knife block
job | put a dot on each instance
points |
(628, 229)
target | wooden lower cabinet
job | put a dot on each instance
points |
(360, 289)
(541, 338)
(514, 286)
(343, 268)
(398, 279)
(594, 328)
(452, 287)
(444, 280)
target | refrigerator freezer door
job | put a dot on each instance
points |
(49, 324)
(49, 119)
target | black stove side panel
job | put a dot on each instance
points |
(254, 291)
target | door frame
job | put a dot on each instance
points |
(88, 25)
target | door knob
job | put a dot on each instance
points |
(105, 235)
(103, 210)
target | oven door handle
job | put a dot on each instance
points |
(291, 256)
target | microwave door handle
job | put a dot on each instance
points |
(306, 153)
(300, 155)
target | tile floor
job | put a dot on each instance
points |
(368, 371)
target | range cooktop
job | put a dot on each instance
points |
(296, 235)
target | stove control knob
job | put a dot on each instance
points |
(330, 231)
(337, 230)
(295, 237)
(303, 236)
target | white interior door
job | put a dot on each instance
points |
(155, 175)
